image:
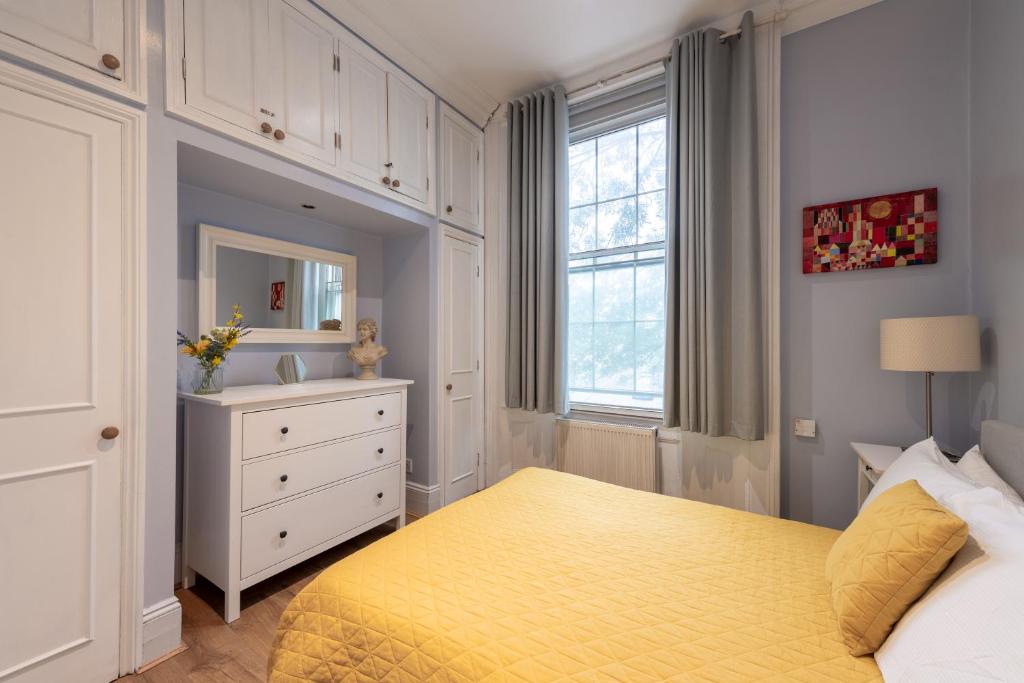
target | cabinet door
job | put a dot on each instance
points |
(83, 31)
(305, 91)
(408, 119)
(364, 115)
(226, 56)
(461, 145)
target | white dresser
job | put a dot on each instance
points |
(276, 474)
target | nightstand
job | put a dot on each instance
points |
(872, 461)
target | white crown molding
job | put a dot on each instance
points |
(420, 61)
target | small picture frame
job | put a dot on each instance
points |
(277, 296)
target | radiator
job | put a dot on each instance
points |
(618, 454)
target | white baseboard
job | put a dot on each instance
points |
(161, 629)
(421, 500)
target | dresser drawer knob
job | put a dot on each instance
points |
(380, 412)
(284, 478)
(284, 430)
(380, 451)
(283, 534)
(380, 495)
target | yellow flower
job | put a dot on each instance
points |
(215, 362)
(201, 346)
(188, 351)
(231, 344)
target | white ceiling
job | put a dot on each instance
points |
(478, 53)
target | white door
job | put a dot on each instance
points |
(462, 349)
(226, 62)
(84, 31)
(305, 90)
(364, 115)
(61, 363)
(461, 145)
(408, 119)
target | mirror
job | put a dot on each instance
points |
(289, 293)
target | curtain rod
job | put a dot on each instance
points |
(602, 81)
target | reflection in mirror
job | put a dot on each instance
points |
(279, 292)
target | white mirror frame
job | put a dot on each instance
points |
(211, 237)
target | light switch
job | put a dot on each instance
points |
(803, 427)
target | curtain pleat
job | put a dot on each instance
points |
(538, 140)
(714, 374)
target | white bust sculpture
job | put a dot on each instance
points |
(367, 351)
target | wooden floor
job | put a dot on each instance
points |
(219, 652)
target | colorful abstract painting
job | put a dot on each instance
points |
(875, 232)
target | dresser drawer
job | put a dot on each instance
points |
(282, 429)
(286, 475)
(275, 534)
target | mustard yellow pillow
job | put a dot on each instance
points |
(886, 559)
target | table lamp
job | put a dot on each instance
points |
(949, 343)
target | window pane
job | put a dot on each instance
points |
(650, 291)
(616, 223)
(613, 294)
(651, 218)
(581, 355)
(581, 296)
(613, 356)
(651, 154)
(582, 173)
(616, 161)
(650, 357)
(581, 229)
(614, 258)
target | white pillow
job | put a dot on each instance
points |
(969, 626)
(977, 469)
(924, 462)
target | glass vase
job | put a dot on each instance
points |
(208, 380)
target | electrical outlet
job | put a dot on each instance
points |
(408, 465)
(804, 427)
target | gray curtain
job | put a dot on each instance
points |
(714, 368)
(538, 218)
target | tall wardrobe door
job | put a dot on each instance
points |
(226, 59)
(89, 32)
(61, 227)
(305, 89)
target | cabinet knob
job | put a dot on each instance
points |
(109, 433)
(110, 61)
(380, 494)
(279, 134)
(386, 180)
(448, 208)
(284, 430)
(448, 387)
(266, 128)
(284, 478)
(380, 412)
(283, 534)
(395, 183)
(380, 451)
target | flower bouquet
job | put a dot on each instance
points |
(211, 351)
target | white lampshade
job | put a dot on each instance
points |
(950, 343)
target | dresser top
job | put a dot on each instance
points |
(263, 393)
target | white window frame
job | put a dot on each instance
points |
(627, 121)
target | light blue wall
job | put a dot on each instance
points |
(997, 185)
(872, 102)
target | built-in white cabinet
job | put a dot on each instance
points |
(461, 171)
(97, 41)
(281, 75)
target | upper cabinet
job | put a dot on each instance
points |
(461, 171)
(279, 74)
(96, 41)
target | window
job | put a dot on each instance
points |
(616, 308)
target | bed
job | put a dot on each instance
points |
(552, 577)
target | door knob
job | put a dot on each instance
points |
(279, 134)
(448, 208)
(386, 180)
(395, 183)
(110, 61)
(266, 127)
(448, 387)
(109, 433)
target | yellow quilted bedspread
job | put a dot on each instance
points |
(551, 577)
